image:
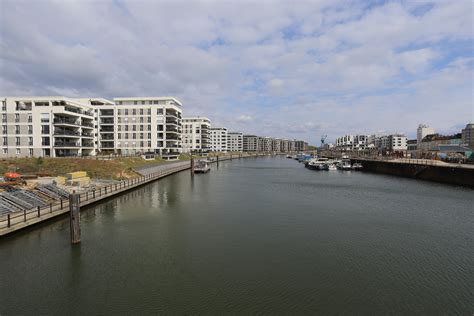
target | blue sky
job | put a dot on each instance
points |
(295, 69)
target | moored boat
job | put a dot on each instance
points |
(201, 166)
(345, 164)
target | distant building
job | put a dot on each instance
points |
(301, 145)
(235, 141)
(412, 147)
(431, 142)
(284, 145)
(468, 135)
(352, 142)
(218, 139)
(250, 143)
(423, 131)
(196, 134)
(276, 145)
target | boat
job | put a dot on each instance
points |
(331, 167)
(345, 164)
(201, 166)
(289, 156)
(357, 166)
(315, 163)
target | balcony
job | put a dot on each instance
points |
(66, 144)
(107, 145)
(106, 112)
(105, 121)
(87, 124)
(63, 121)
(88, 145)
(78, 111)
(66, 133)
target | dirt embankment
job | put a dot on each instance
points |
(103, 169)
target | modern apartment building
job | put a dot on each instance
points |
(250, 143)
(468, 135)
(284, 145)
(267, 143)
(219, 139)
(301, 145)
(276, 145)
(235, 141)
(352, 142)
(393, 143)
(46, 127)
(196, 135)
(143, 124)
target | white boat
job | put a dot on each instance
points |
(201, 166)
(332, 167)
(357, 166)
(315, 163)
(345, 164)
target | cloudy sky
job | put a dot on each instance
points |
(296, 69)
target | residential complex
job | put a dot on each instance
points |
(46, 126)
(196, 135)
(235, 141)
(352, 142)
(219, 139)
(58, 126)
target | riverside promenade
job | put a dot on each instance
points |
(12, 222)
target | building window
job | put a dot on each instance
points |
(18, 151)
(31, 152)
(5, 151)
(159, 111)
(17, 129)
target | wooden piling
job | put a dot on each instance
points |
(192, 165)
(74, 208)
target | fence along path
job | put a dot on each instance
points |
(18, 220)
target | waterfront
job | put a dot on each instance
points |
(257, 235)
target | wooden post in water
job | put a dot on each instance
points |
(74, 209)
(192, 165)
(217, 161)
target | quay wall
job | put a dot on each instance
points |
(457, 175)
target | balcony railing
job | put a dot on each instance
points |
(66, 121)
(66, 132)
(67, 144)
(86, 124)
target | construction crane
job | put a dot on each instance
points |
(323, 139)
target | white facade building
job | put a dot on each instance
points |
(218, 139)
(196, 134)
(352, 142)
(235, 141)
(422, 131)
(46, 127)
(146, 124)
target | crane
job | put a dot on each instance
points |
(323, 139)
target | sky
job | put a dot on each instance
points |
(289, 69)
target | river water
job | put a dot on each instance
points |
(256, 235)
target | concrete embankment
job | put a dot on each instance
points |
(20, 220)
(449, 173)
